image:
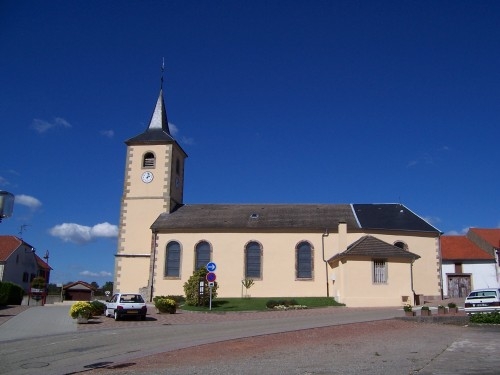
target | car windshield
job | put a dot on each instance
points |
(483, 294)
(131, 298)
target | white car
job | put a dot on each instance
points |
(483, 300)
(126, 304)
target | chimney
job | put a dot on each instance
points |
(342, 236)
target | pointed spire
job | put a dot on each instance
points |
(158, 131)
(159, 119)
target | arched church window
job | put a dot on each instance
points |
(253, 260)
(401, 245)
(304, 260)
(203, 254)
(148, 160)
(173, 259)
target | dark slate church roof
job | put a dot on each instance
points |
(369, 246)
(390, 216)
(306, 217)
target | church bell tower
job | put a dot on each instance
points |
(153, 184)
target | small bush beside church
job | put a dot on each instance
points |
(165, 305)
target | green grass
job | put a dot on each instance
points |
(259, 304)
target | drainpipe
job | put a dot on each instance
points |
(411, 279)
(324, 260)
(152, 279)
(440, 267)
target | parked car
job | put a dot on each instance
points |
(126, 304)
(483, 300)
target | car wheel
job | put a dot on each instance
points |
(143, 317)
(117, 317)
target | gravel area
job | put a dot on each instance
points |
(384, 347)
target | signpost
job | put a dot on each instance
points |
(211, 267)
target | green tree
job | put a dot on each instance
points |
(192, 287)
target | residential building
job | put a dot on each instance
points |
(19, 264)
(466, 265)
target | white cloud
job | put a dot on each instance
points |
(28, 201)
(81, 234)
(173, 129)
(96, 274)
(41, 126)
(107, 133)
(187, 141)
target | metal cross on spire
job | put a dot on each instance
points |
(162, 70)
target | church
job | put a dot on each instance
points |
(359, 254)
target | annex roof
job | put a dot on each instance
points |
(390, 216)
(461, 248)
(371, 247)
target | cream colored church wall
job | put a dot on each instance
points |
(353, 284)
(278, 263)
(426, 269)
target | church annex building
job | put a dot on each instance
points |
(360, 254)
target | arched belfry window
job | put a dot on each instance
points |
(401, 245)
(149, 160)
(173, 259)
(203, 254)
(304, 260)
(253, 260)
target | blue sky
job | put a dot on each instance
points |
(274, 102)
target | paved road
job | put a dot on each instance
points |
(46, 340)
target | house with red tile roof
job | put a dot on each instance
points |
(19, 263)
(469, 263)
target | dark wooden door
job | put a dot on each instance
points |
(459, 286)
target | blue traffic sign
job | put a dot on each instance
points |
(211, 277)
(211, 266)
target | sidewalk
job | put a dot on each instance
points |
(35, 321)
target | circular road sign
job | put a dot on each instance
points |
(210, 266)
(211, 277)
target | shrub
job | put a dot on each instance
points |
(97, 308)
(82, 308)
(486, 318)
(38, 283)
(284, 304)
(165, 305)
(191, 288)
(452, 305)
(10, 294)
(179, 300)
(425, 308)
(271, 304)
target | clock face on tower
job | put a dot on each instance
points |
(147, 177)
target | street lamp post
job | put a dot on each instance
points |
(6, 204)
